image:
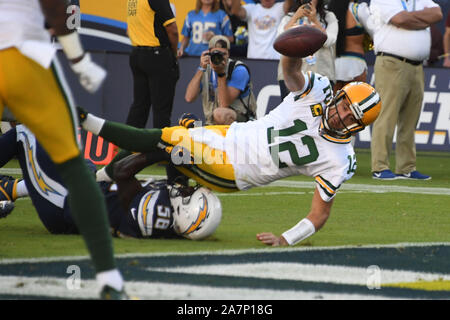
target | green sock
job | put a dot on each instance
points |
(131, 138)
(88, 209)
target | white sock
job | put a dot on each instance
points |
(112, 278)
(21, 189)
(101, 175)
(93, 124)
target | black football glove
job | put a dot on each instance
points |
(82, 114)
(187, 120)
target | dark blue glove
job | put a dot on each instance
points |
(187, 120)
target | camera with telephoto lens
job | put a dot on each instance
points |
(217, 57)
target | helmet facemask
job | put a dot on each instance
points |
(347, 129)
(180, 198)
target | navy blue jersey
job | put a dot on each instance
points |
(150, 214)
(49, 196)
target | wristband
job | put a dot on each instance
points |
(71, 45)
(201, 69)
(299, 232)
(221, 75)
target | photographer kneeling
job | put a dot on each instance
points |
(227, 94)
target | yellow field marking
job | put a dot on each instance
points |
(436, 285)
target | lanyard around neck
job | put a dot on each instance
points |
(406, 8)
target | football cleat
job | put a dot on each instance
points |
(8, 188)
(6, 207)
(109, 293)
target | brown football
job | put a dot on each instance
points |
(301, 41)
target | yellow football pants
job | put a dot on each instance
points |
(209, 166)
(40, 99)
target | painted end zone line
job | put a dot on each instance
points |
(231, 252)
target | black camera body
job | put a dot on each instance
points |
(216, 57)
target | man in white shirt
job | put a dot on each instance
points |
(402, 41)
(262, 19)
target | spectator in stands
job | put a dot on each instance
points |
(322, 62)
(446, 42)
(263, 20)
(240, 31)
(225, 85)
(201, 24)
(350, 64)
(402, 42)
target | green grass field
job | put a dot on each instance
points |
(358, 216)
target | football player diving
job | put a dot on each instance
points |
(309, 133)
(154, 209)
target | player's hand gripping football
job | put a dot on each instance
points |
(90, 74)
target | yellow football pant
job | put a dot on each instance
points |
(39, 99)
(209, 166)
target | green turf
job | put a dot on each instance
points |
(356, 218)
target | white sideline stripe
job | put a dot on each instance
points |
(104, 35)
(231, 252)
(345, 186)
(57, 288)
(309, 185)
(256, 194)
(368, 187)
(306, 272)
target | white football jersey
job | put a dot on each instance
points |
(287, 142)
(21, 20)
(22, 25)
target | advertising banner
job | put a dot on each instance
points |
(106, 21)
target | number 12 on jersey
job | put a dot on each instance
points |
(352, 164)
(290, 147)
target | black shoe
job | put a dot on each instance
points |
(6, 207)
(109, 293)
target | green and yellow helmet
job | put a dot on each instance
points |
(364, 102)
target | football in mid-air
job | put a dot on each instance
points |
(301, 41)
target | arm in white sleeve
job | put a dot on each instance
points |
(332, 29)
